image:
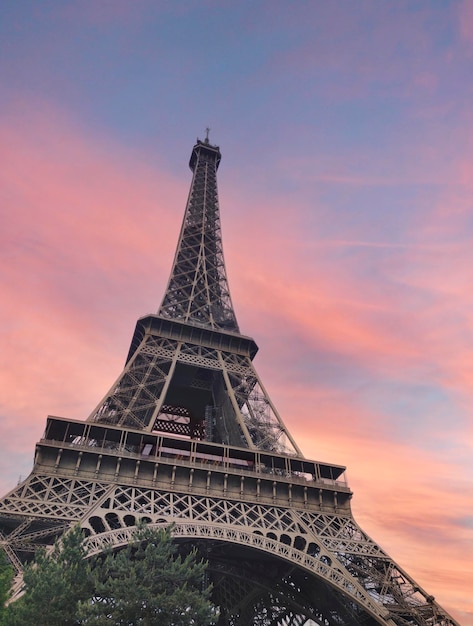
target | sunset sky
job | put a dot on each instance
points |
(346, 193)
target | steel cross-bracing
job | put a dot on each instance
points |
(197, 291)
(188, 436)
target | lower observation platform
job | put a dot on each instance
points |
(109, 453)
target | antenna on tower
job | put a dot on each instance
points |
(207, 131)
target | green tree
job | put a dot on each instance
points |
(6, 578)
(54, 585)
(149, 584)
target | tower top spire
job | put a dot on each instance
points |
(197, 291)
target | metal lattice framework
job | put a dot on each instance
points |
(304, 525)
(198, 291)
(188, 435)
(223, 393)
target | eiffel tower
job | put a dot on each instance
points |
(188, 435)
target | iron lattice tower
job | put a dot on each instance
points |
(189, 435)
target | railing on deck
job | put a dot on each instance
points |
(186, 457)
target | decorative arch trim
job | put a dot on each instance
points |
(119, 537)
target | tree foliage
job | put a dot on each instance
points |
(6, 577)
(146, 583)
(54, 585)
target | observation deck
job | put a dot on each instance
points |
(113, 454)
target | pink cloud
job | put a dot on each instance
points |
(409, 322)
(465, 20)
(409, 501)
(85, 251)
(338, 49)
(400, 315)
